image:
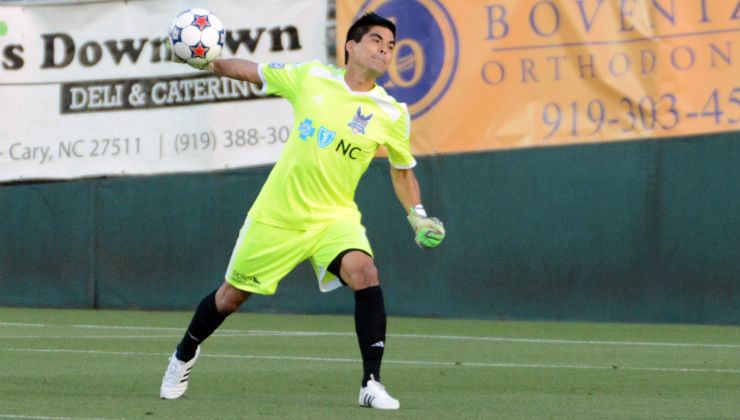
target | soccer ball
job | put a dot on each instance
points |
(197, 37)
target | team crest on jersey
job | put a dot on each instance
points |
(359, 122)
(326, 136)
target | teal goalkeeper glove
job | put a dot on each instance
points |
(428, 231)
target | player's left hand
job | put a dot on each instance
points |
(428, 231)
(171, 52)
(176, 59)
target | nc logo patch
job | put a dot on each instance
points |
(427, 51)
(359, 122)
(326, 136)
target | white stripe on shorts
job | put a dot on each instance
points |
(239, 240)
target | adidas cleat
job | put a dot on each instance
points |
(175, 380)
(374, 395)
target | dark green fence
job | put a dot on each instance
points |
(645, 231)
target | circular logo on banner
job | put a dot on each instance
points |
(426, 53)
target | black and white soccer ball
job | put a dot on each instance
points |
(197, 37)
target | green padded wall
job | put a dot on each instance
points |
(47, 251)
(643, 231)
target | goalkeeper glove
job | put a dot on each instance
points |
(176, 59)
(428, 231)
(171, 52)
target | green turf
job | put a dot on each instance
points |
(76, 364)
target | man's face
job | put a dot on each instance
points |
(374, 51)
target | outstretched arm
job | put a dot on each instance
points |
(428, 231)
(236, 68)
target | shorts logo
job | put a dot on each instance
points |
(426, 55)
(359, 122)
(326, 136)
(306, 129)
(244, 279)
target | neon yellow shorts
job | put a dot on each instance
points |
(264, 254)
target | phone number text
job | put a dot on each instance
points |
(647, 113)
(205, 141)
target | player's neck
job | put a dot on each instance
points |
(359, 81)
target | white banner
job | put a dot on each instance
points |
(87, 90)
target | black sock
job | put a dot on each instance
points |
(370, 327)
(205, 321)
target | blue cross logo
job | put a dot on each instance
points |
(326, 136)
(306, 129)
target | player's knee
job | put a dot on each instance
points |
(364, 276)
(229, 299)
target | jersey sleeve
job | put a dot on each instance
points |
(399, 145)
(282, 79)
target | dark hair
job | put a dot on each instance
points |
(363, 25)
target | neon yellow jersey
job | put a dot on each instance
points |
(336, 133)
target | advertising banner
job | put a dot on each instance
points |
(89, 90)
(501, 74)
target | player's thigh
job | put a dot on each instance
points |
(340, 236)
(263, 255)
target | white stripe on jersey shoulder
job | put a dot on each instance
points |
(261, 73)
(280, 65)
(326, 72)
(387, 103)
(277, 65)
(408, 120)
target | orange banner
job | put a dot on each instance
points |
(501, 74)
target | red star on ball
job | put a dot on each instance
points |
(199, 50)
(201, 21)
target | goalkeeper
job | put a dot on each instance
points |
(306, 208)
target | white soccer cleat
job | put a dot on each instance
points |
(175, 380)
(374, 395)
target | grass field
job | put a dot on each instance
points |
(108, 365)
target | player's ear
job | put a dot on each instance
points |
(346, 52)
(349, 46)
